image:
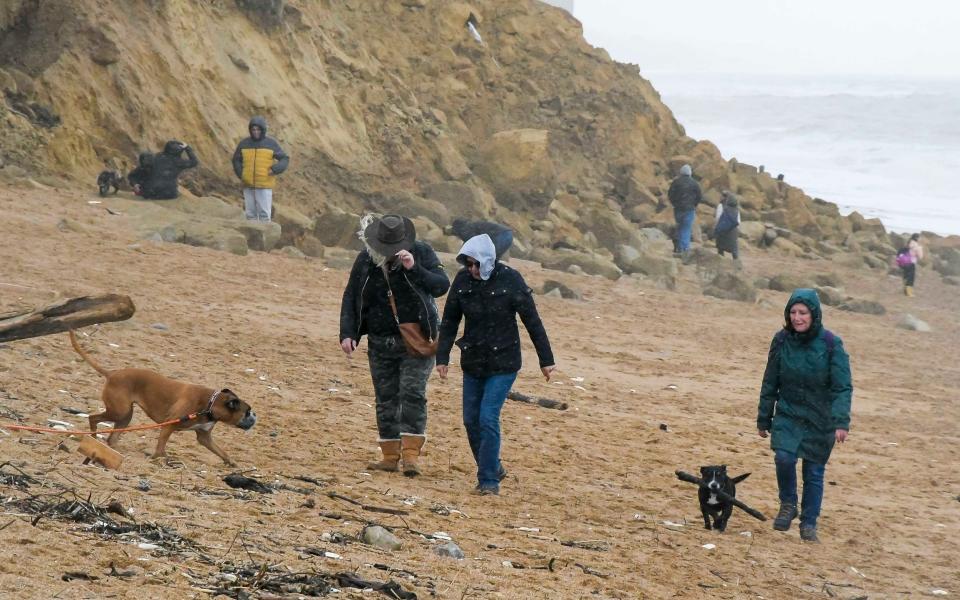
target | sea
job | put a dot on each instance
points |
(885, 147)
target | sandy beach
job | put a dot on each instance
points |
(632, 359)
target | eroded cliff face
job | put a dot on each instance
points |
(382, 104)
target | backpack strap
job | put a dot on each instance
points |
(829, 339)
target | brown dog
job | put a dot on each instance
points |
(164, 399)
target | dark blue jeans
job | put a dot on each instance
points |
(483, 398)
(684, 220)
(502, 242)
(786, 463)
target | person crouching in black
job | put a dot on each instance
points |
(164, 173)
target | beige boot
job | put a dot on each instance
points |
(410, 446)
(908, 290)
(391, 456)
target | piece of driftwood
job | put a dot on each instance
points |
(756, 514)
(64, 315)
(371, 508)
(544, 402)
(99, 452)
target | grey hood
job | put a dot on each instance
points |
(481, 249)
(259, 122)
(686, 170)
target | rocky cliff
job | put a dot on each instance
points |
(387, 105)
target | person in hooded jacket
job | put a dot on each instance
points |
(165, 171)
(804, 406)
(142, 173)
(501, 235)
(394, 262)
(726, 225)
(488, 295)
(684, 194)
(257, 161)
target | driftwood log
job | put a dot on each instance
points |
(64, 315)
(544, 402)
(756, 514)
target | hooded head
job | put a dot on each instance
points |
(481, 249)
(729, 199)
(173, 148)
(260, 122)
(145, 159)
(686, 170)
(808, 298)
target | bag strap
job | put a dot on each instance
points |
(393, 303)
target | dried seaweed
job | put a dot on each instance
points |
(242, 580)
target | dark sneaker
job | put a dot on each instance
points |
(808, 533)
(501, 474)
(487, 490)
(788, 512)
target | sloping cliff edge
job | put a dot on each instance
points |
(389, 105)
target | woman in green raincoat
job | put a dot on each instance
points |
(805, 405)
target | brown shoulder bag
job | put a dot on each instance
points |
(418, 345)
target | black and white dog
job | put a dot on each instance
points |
(109, 179)
(711, 504)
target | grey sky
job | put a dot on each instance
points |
(814, 37)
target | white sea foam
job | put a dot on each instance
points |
(886, 148)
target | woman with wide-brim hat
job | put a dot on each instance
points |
(394, 262)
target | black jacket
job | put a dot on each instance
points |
(166, 169)
(491, 340)
(365, 308)
(141, 174)
(684, 193)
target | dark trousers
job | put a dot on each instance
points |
(684, 220)
(483, 398)
(502, 242)
(400, 386)
(786, 463)
(909, 274)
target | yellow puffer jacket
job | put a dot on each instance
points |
(257, 163)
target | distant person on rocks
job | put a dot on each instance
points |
(394, 264)
(805, 403)
(165, 169)
(501, 235)
(142, 173)
(726, 225)
(684, 195)
(257, 162)
(488, 295)
(907, 259)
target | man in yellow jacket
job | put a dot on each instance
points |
(257, 162)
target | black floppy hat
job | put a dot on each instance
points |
(390, 234)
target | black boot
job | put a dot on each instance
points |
(788, 512)
(808, 533)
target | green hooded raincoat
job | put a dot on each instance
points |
(807, 387)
